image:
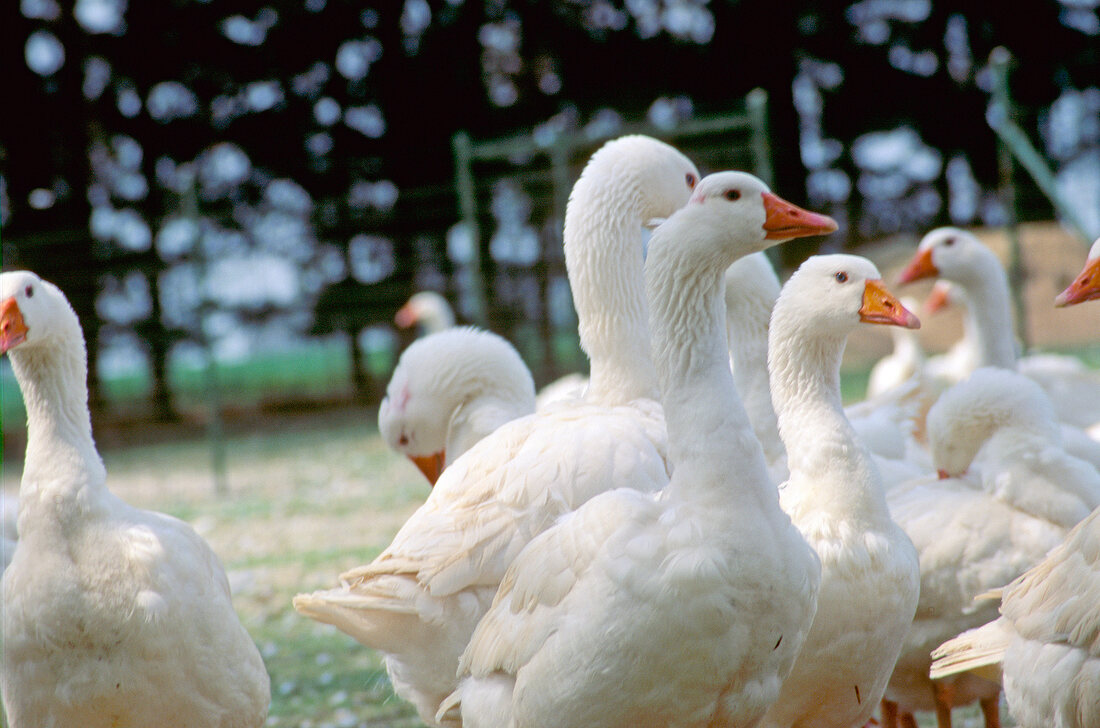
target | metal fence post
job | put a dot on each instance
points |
(215, 431)
(1001, 106)
(462, 148)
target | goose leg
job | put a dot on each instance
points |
(944, 694)
(991, 710)
(907, 720)
(888, 709)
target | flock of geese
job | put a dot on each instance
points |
(665, 544)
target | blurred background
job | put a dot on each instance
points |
(258, 186)
(237, 196)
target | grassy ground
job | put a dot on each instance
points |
(307, 499)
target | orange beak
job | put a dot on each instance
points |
(13, 330)
(430, 465)
(937, 299)
(921, 266)
(786, 221)
(1085, 287)
(405, 316)
(880, 307)
(943, 474)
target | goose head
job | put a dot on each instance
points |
(427, 308)
(832, 294)
(1086, 286)
(33, 312)
(659, 177)
(735, 214)
(949, 253)
(441, 374)
(990, 400)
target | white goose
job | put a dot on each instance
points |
(449, 390)
(752, 288)
(959, 257)
(428, 310)
(1007, 493)
(1045, 646)
(112, 615)
(420, 600)
(684, 608)
(835, 496)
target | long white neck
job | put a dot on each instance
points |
(990, 317)
(831, 470)
(708, 429)
(747, 331)
(62, 465)
(603, 256)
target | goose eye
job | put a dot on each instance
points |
(732, 195)
(29, 291)
(841, 277)
(690, 179)
(949, 242)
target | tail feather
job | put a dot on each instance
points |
(375, 621)
(977, 651)
(450, 710)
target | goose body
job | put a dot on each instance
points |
(835, 496)
(1045, 646)
(449, 390)
(420, 600)
(1008, 493)
(685, 608)
(112, 615)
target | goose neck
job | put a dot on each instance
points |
(990, 319)
(61, 458)
(748, 348)
(708, 428)
(831, 471)
(603, 256)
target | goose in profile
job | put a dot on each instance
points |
(419, 601)
(836, 498)
(686, 607)
(428, 310)
(449, 390)
(958, 256)
(112, 615)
